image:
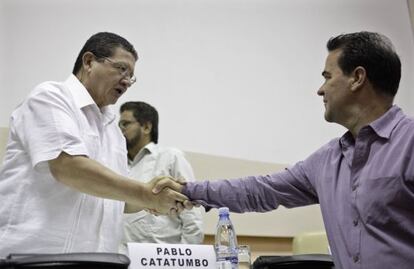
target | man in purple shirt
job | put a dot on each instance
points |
(363, 181)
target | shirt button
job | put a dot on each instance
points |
(356, 258)
(354, 187)
(355, 222)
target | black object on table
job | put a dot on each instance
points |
(306, 261)
(87, 260)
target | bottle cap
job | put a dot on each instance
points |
(223, 211)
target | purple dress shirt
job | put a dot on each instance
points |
(365, 188)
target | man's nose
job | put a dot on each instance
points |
(125, 81)
(320, 91)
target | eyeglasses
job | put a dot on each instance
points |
(123, 124)
(122, 69)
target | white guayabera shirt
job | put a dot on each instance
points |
(38, 214)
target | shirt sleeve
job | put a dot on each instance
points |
(192, 220)
(290, 188)
(48, 126)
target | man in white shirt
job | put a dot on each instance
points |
(139, 124)
(64, 180)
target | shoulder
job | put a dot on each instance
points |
(170, 151)
(319, 157)
(173, 156)
(406, 122)
(395, 122)
(333, 144)
(49, 87)
(49, 91)
(403, 132)
(42, 96)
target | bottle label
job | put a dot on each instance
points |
(223, 265)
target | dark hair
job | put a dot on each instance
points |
(144, 113)
(375, 53)
(103, 45)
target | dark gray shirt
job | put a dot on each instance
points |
(365, 187)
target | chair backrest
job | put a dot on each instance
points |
(319, 261)
(91, 260)
(310, 243)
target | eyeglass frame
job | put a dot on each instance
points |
(120, 67)
(123, 124)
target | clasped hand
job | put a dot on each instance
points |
(167, 196)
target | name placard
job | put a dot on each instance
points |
(154, 256)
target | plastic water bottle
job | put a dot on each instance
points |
(225, 241)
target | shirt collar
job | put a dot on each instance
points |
(83, 99)
(383, 126)
(79, 92)
(147, 149)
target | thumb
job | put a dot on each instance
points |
(166, 182)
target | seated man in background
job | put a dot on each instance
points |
(64, 180)
(364, 180)
(146, 159)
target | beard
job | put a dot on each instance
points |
(131, 143)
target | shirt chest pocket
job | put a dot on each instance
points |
(117, 161)
(92, 144)
(382, 200)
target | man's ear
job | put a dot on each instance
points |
(147, 127)
(87, 59)
(358, 78)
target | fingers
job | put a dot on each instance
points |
(188, 205)
(180, 207)
(152, 211)
(160, 183)
(175, 196)
(168, 197)
(173, 212)
(165, 202)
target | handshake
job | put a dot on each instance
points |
(164, 196)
